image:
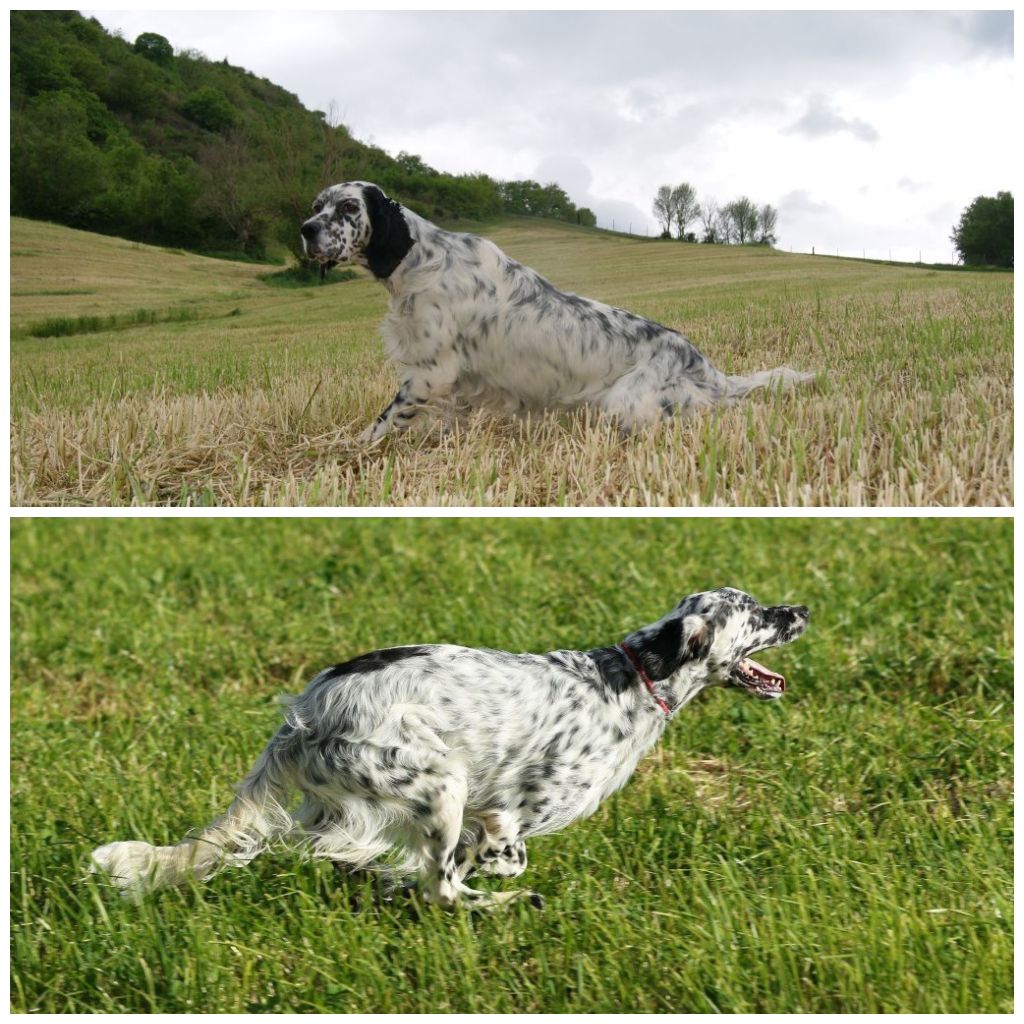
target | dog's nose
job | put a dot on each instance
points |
(309, 230)
(803, 611)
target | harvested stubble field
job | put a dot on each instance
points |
(845, 849)
(174, 379)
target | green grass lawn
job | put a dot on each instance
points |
(167, 378)
(848, 848)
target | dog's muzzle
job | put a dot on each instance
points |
(310, 232)
(754, 677)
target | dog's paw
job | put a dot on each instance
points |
(130, 866)
(487, 901)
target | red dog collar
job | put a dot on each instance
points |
(635, 662)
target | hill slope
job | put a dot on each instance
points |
(228, 390)
(131, 138)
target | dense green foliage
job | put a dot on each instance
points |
(984, 235)
(176, 149)
(845, 849)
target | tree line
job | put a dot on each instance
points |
(167, 147)
(740, 222)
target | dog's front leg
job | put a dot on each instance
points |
(495, 850)
(401, 410)
(421, 387)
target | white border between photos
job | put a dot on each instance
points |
(503, 512)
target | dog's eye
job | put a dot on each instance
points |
(350, 206)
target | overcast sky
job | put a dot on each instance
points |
(868, 131)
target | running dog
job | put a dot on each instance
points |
(444, 760)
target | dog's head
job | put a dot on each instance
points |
(354, 222)
(712, 635)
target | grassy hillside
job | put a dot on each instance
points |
(847, 848)
(136, 138)
(239, 392)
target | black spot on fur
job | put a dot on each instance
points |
(661, 654)
(616, 673)
(376, 660)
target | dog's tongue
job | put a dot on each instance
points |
(765, 674)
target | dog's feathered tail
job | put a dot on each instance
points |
(781, 377)
(255, 817)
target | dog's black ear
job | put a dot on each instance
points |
(389, 234)
(675, 642)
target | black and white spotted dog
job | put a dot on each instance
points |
(453, 756)
(468, 326)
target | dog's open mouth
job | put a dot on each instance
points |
(758, 680)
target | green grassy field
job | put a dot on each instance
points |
(195, 382)
(848, 848)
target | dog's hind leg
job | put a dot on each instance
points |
(438, 815)
(253, 819)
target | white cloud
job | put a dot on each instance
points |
(849, 108)
(823, 118)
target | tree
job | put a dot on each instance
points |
(154, 47)
(663, 209)
(767, 219)
(209, 108)
(984, 235)
(56, 172)
(709, 214)
(743, 219)
(412, 164)
(726, 229)
(684, 207)
(335, 143)
(133, 87)
(236, 190)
